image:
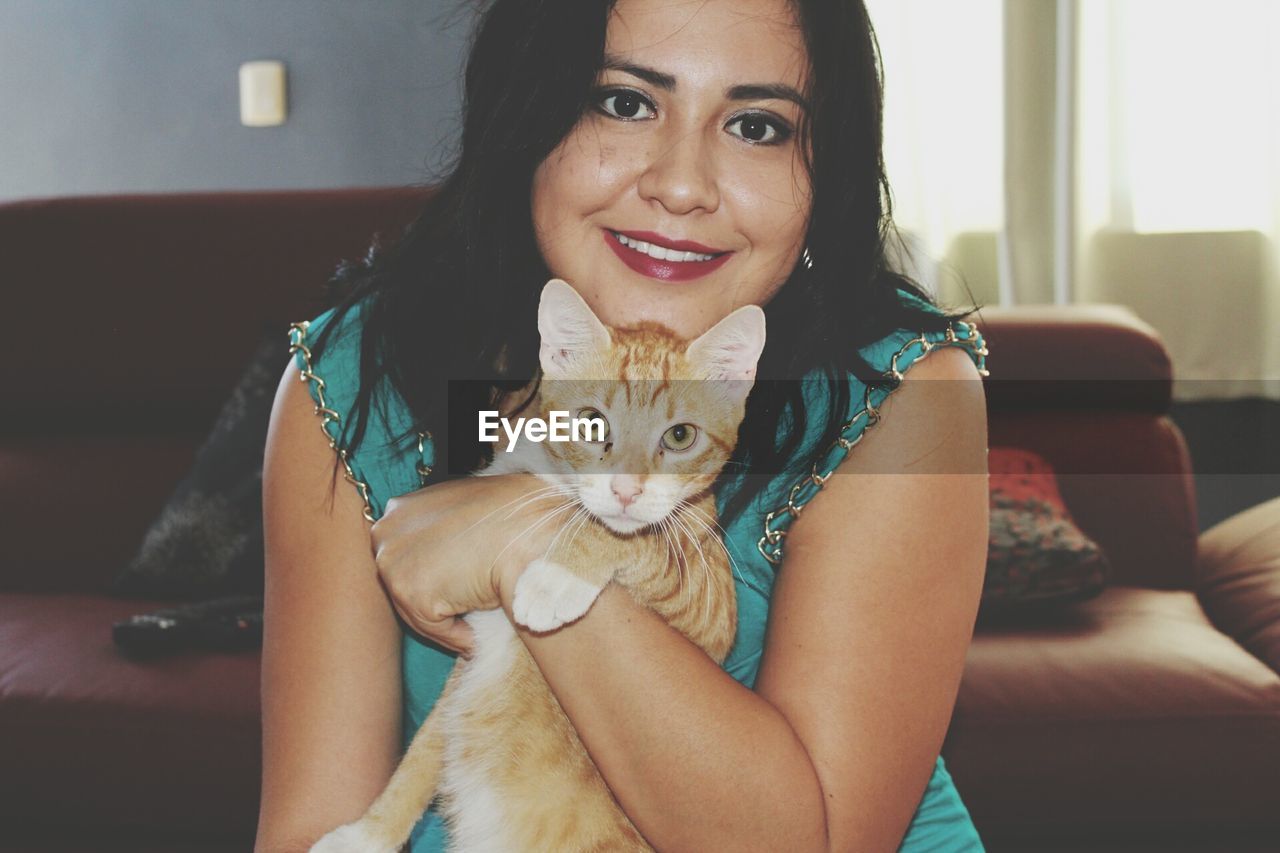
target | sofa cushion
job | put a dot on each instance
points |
(207, 540)
(1126, 478)
(93, 740)
(1126, 710)
(1238, 578)
(1036, 555)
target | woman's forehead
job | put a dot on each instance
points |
(708, 41)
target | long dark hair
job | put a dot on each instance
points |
(461, 284)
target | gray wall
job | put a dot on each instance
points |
(105, 96)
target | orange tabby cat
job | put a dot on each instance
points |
(497, 747)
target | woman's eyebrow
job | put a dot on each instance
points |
(742, 92)
(766, 91)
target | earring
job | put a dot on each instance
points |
(807, 259)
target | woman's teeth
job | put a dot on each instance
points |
(660, 253)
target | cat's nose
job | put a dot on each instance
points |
(627, 487)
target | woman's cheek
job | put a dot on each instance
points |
(618, 162)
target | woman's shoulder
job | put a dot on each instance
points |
(326, 351)
(892, 356)
(894, 353)
(391, 457)
(341, 348)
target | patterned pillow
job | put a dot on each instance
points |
(1037, 557)
(207, 540)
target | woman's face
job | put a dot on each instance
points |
(690, 146)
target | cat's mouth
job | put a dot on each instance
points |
(620, 522)
(624, 524)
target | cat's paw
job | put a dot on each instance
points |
(353, 838)
(548, 595)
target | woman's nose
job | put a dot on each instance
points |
(681, 176)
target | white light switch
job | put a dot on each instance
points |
(262, 99)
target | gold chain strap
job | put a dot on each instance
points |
(770, 544)
(424, 470)
(327, 414)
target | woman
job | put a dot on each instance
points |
(745, 129)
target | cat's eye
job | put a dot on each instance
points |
(680, 437)
(593, 434)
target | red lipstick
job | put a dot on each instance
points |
(665, 270)
(681, 245)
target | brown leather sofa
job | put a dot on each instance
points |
(1147, 718)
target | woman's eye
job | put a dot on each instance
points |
(680, 437)
(626, 104)
(756, 128)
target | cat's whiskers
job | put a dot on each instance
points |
(673, 551)
(676, 518)
(710, 524)
(537, 495)
(542, 492)
(691, 514)
(699, 517)
(570, 529)
(536, 524)
(576, 518)
(587, 518)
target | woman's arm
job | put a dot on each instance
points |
(331, 644)
(868, 628)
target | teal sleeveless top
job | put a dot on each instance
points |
(382, 468)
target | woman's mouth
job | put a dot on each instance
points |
(663, 262)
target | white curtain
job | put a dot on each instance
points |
(1127, 151)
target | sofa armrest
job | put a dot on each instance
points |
(1238, 579)
(1089, 356)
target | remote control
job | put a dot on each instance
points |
(224, 624)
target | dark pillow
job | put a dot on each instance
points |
(207, 540)
(1037, 558)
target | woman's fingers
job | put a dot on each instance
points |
(456, 634)
(452, 632)
(439, 559)
(463, 636)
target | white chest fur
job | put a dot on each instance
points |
(477, 822)
(476, 817)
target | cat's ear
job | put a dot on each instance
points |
(731, 348)
(570, 330)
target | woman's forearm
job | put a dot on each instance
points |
(698, 761)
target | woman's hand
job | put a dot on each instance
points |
(454, 547)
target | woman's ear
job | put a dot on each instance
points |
(571, 332)
(730, 349)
